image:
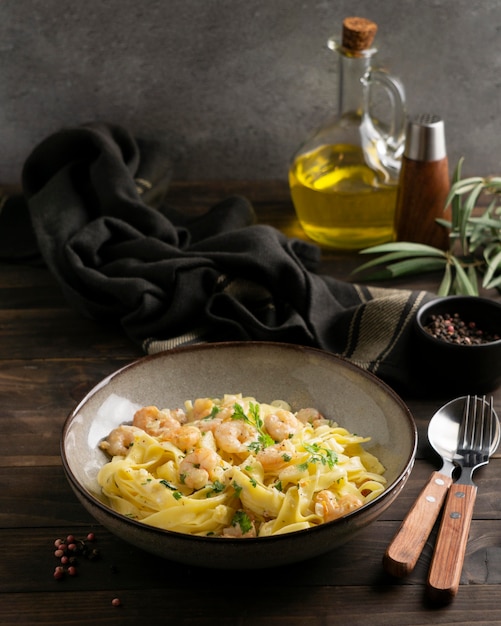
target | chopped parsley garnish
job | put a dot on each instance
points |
(243, 520)
(254, 420)
(176, 494)
(216, 487)
(167, 484)
(214, 411)
(319, 454)
(238, 489)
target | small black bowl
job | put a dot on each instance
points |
(459, 368)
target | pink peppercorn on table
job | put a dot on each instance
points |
(50, 357)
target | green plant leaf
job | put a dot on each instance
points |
(446, 223)
(402, 246)
(453, 198)
(486, 221)
(491, 251)
(456, 176)
(493, 266)
(465, 214)
(445, 286)
(464, 285)
(416, 265)
(380, 273)
(462, 187)
(392, 256)
(472, 276)
(494, 283)
(493, 183)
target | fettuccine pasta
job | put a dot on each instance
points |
(235, 467)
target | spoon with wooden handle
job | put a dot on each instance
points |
(404, 549)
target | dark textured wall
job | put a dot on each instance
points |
(234, 86)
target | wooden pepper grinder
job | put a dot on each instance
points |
(424, 184)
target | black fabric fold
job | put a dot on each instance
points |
(169, 278)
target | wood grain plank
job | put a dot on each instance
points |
(134, 568)
(299, 605)
(36, 296)
(56, 333)
(37, 395)
(358, 562)
(25, 276)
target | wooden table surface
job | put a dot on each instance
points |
(50, 357)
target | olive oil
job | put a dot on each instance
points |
(341, 202)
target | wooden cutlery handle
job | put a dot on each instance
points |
(448, 558)
(403, 552)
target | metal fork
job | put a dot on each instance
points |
(477, 440)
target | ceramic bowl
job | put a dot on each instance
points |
(458, 368)
(267, 371)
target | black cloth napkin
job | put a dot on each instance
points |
(122, 255)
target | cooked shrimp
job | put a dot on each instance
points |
(273, 458)
(281, 424)
(207, 424)
(118, 442)
(202, 408)
(162, 424)
(328, 507)
(311, 416)
(200, 466)
(234, 436)
(186, 437)
(178, 414)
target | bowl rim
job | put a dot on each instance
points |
(161, 532)
(425, 309)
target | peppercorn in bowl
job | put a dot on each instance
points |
(459, 343)
(258, 486)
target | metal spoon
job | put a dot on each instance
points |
(403, 552)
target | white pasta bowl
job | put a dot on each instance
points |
(304, 377)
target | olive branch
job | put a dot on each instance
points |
(474, 255)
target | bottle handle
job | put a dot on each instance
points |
(395, 137)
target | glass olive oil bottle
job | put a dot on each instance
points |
(344, 179)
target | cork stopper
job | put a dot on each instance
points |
(358, 34)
